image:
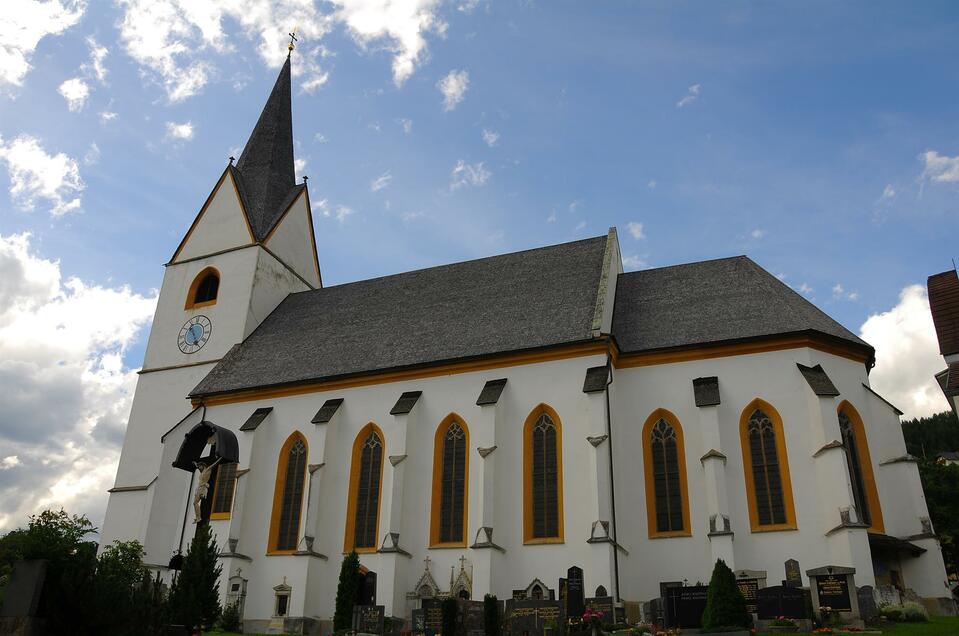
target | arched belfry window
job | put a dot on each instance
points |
(288, 495)
(766, 467)
(859, 463)
(543, 477)
(204, 289)
(667, 501)
(450, 482)
(366, 477)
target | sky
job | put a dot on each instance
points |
(821, 139)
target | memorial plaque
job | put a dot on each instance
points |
(833, 591)
(471, 618)
(574, 592)
(783, 600)
(528, 617)
(793, 573)
(868, 610)
(685, 606)
(368, 619)
(749, 588)
(418, 622)
(602, 604)
(519, 595)
(433, 615)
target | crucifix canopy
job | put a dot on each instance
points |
(224, 446)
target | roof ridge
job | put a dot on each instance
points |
(700, 262)
(437, 267)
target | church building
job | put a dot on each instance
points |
(480, 427)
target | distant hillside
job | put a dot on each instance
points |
(926, 437)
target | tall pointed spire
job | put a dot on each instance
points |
(266, 174)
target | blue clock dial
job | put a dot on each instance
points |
(194, 333)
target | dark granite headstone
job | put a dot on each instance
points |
(470, 618)
(528, 617)
(602, 604)
(24, 592)
(368, 619)
(366, 589)
(519, 595)
(418, 622)
(433, 615)
(749, 588)
(574, 592)
(685, 606)
(868, 611)
(781, 601)
(833, 591)
(793, 573)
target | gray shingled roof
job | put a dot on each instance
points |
(267, 179)
(712, 302)
(520, 301)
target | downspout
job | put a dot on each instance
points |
(612, 481)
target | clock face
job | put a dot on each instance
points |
(194, 334)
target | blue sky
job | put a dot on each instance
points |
(821, 139)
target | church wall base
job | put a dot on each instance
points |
(942, 606)
(304, 625)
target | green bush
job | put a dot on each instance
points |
(914, 613)
(195, 596)
(725, 605)
(491, 618)
(346, 591)
(230, 620)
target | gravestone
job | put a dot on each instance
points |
(772, 602)
(368, 619)
(433, 615)
(833, 592)
(418, 622)
(574, 592)
(602, 604)
(528, 617)
(749, 588)
(868, 610)
(562, 593)
(24, 591)
(793, 573)
(685, 606)
(519, 595)
(470, 618)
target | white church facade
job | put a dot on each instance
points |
(505, 418)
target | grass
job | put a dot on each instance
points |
(937, 626)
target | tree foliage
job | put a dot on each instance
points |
(346, 591)
(725, 605)
(940, 484)
(926, 437)
(195, 597)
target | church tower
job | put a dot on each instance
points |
(250, 245)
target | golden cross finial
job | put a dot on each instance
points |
(292, 44)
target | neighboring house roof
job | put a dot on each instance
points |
(713, 302)
(521, 301)
(944, 305)
(267, 180)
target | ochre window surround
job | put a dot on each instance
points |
(667, 495)
(204, 289)
(223, 490)
(366, 479)
(542, 491)
(761, 433)
(450, 503)
(288, 495)
(860, 454)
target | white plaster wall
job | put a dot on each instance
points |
(221, 226)
(272, 283)
(292, 241)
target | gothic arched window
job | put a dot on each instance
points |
(766, 466)
(366, 476)
(223, 489)
(204, 289)
(288, 495)
(859, 463)
(543, 477)
(450, 479)
(667, 504)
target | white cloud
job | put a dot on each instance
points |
(453, 87)
(888, 193)
(179, 131)
(692, 94)
(409, 217)
(63, 339)
(320, 138)
(75, 91)
(23, 25)
(635, 230)
(757, 234)
(403, 24)
(467, 6)
(107, 115)
(490, 137)
(93, 155)
(652, 184)
(839, 293)
(552, 217)
(854, 296)
(407, 125)
(579, 227)
(907, 354)
(940, 168)
(838, 290)
(466, 174)
(36, 175)
(97, 55)
(805, 289)
(299, 167)
(381, 181)
(632, 262)
(343, 212)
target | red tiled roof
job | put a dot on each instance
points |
(944, 304)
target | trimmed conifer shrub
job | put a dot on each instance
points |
(195, 597)
(491, 615)
(346, 591)
(725, 605)
(450, 609)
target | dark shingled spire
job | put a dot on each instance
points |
(265, 173)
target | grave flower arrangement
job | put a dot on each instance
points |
(782, 621)
(594, 619)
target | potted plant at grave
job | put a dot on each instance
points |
(551, 628)
(594, 620)
(781, 624)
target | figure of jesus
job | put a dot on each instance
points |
(202, 489)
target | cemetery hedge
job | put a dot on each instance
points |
(346, 592)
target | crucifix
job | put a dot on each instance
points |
(292, 44)
(426, 562)
(463, 563)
